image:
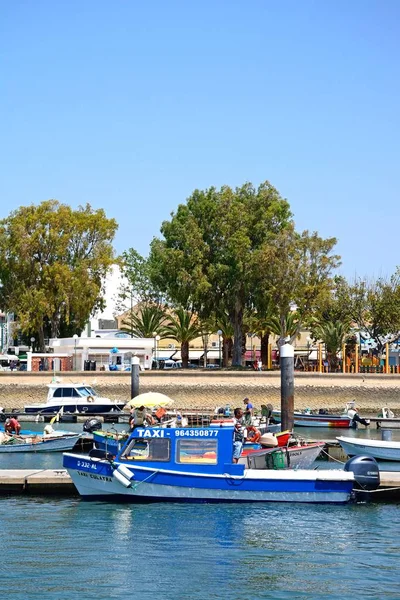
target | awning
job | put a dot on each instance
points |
(249, 354)
(314, 355)
(213, 354)
(195, 354)
(164, 354)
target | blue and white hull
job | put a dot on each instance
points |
(81, 407)
(96, 478)
(42, 444)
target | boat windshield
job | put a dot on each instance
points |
(154, 449)
(86, 391)
(197, 451)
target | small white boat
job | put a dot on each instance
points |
(379, 449)
(74, 398)
(57, 442)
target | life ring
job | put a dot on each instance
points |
(90, 399)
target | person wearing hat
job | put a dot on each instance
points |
(140, 418)
(352, 412)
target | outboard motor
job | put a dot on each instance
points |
(366, 472)
(91, 425)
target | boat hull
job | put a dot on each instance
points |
(381, 450)
(87, 408)
(296, 457)
(94, 478)
(61, 444)
(305, 420)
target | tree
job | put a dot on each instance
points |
(224, 324)
(137, 286)
(183, 328)
(373, 306)
(205, 261)
(296, 276)
(146, 322)
(53, 262)
(333, 334)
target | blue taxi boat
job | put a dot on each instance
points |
(195, 465)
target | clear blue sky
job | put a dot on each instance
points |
(130, 105)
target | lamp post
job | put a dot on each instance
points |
(75, 337)
(32, 343)
(156, 340)
(219, 332)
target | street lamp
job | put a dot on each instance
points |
(219, 332)
(32, 342)
(75, 337)
(156, 340)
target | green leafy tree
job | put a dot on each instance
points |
(137, 286)
(296, 276)
(183, 327)
(53, 262)
(373, 307)
(206, 259)
(333, 334)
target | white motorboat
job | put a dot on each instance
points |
(74, 398)
(379, 449)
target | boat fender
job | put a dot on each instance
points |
(121, 478)
(123, 475)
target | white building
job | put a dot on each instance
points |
(109, 353)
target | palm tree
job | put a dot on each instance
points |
(333, 334)
(183, 327)
(284, 326)
(224, 324)
(146, 322)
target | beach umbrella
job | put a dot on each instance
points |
(150, 400)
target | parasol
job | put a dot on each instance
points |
(150, 400)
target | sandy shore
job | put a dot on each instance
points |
(202, 390)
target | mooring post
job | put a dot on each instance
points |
(286, 360)
(134, 377)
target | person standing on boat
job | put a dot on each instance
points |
(140, 418)
(248, 412)
(238, 434)
(12, 425)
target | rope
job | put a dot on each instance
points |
(136, 485)
(385, 489)
(332, 458)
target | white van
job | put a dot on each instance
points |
(172, 364)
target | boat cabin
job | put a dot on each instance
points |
(70, 390)
(182, 449)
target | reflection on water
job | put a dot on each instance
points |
(73, 549)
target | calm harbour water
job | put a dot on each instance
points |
(69, 549)
(55, 548)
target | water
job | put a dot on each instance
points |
(66, 548)
(56, 548)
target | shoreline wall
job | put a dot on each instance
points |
(201, 390)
